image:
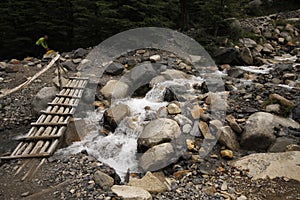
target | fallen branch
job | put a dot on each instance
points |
(32, 78)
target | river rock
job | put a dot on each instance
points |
(115, 69)
(158, 157)
(227, 56)
(263, 165)
(115, 89)
(233, 124)
(247, 42)
(296, 113)
(102, 179)
(155, 58)
(131, 192)
(149, 182)
(169, 74)
(114, 115)
(173, 109)
(246, 55)
(259, 130)
(228, 138)
(80, 53)
(158, 131)
(197, 111)
(42, 98)
(182, 120)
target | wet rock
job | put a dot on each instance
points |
(228, 138)
(158, 131)
(259, 130)
(102, 179)
(158, 157)
(182, 120)
(196, 112)
(235, 72)
(114, 115)
(227, 56)
(173, 109)
(115, 69)
(149, 182)
(115, 89)
(272, 165)
(42, 98)
(131, 192)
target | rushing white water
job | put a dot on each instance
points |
(119, 149)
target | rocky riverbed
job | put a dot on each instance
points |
(257, 151)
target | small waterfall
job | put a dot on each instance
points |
(119, 149)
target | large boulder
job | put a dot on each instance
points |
(158, 131)
(131, 192)
(115, 89)
(228, 138)
(227, 56)
(115, 69)
(114, 115)
(263, 165)
(246, 56)
(149, 182)
(42, 98)
(169, 74)
(158, 157)
(102, 179)
(259, 130)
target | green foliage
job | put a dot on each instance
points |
(71, 24)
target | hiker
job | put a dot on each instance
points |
(41, 46)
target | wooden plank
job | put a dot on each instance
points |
(34, 138)
(74, 87)
(56, 113)
(68, 96)
(62, 104)
(39, 155)
(50, 124)
(79, 78)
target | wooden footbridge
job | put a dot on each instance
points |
(46, 133)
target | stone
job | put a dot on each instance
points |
(196, 112)
(242, 197)
(227, 56)
(69, 65)
(281, 144)
(247, 42)
(272, 165)
(228, 154)
(187, 128)
(289, 76)
(115, 89)
(169, 74)
(296, 113)
(158, 157)
(115, 69)
(102, 179)
(80, 53)
(228, 138)
(155, 58)
(246, 55)
(259, 130)
(283, 101)
(268, 48)
(77, 60)
(235, 72)
(114, 115)
(182, 120)
(292, 147)
(149, 182)
(281, 40)
(190, 144)
(131, 192)
(158, 131)
(273, 108)
(233, 124)
(42, 98)
(173, 109)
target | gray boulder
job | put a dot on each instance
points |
(158, 157)
(69, 65)
(228, 138)
(42, 98)
(114, 115)
(272, 165)
(259, 130)
(131, 192)
(158, 131)
(115, 69)
(115, 89)
(80, 53)
(104, 180)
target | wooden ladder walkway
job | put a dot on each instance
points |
(44, 136)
